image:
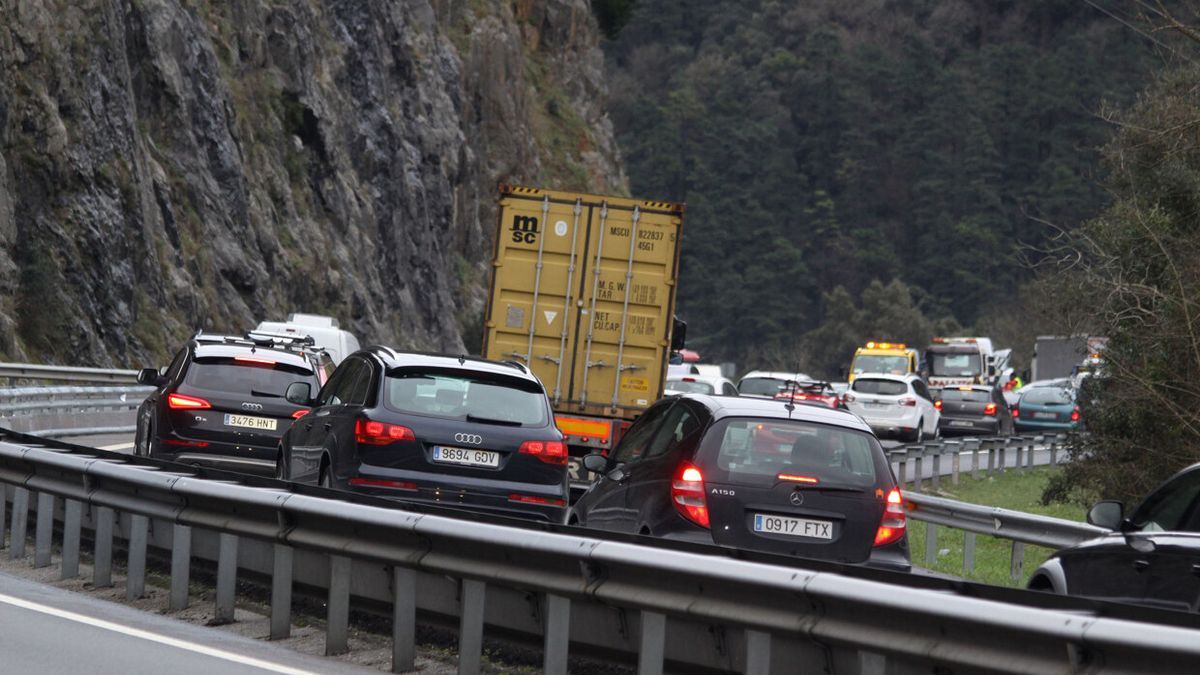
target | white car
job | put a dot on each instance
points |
(894, 406)
(768, 383)
(324, 331)
(699, 384)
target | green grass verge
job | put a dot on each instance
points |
(1011, 490)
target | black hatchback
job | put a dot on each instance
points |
(752, 474)
(453, 430)
(972, 409)
(221, 401)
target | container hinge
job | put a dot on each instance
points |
(515, 355)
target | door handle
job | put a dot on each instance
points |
(328, 426)
(308, 427)
(1196, 569)
(1141, 565)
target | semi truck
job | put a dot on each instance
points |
(1056, 356)
(583, 294)
(965, 360)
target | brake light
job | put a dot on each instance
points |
(989, 409)
(299, 413)
(185, 443)
(1075, 414)
(181, 402)
(689, 379)
(1016, 412)
(533, 499)
(380, 482)
(550, 452)
(687, 494)
(908, 401)
(255, 359)
(938, 404)
(370, 432)
(792, 478)
(894, 522)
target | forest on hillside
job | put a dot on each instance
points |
(863, 169)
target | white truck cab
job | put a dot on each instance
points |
(324, 331)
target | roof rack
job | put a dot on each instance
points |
(255, 338)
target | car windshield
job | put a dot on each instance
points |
(967, 395)
(761, 386)
(1047, 396)
(245, 378)
(687, 386)
(877, 363)
(954, 365)
(867, 385)
(466, 396)
(759, 450)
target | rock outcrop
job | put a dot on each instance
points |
(168, 165)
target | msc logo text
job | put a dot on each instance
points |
(524, 229)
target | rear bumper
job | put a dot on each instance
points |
(1027, 425)
(217, 455)
(894, 430)
(961, 425)
(540, 501)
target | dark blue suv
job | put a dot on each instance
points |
(454, 430)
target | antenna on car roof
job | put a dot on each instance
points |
(462, 358)
(791, 400)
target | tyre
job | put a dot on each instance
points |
(143, 444)
(325, 478)
(139, 439)
(919, 434)
(280, 471)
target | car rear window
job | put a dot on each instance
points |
(466, 396)
(866, 385)
(761, 386)
(967, 395)
(1047, 396)
(690, 386)
(758, 450)
(245, 377)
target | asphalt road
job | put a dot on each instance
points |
(49, 630)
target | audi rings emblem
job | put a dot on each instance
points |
(796, 498)
(252, 406)
(473, 439)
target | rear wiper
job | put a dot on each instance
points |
(489, 420)
(835, 488)
(266, 394)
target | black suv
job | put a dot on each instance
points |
(752, 474)
(221, 401)
(432, 428)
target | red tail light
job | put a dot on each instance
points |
(370, 432)
(185, 443)
(894, 521)
(1075, 414)
(534, 499)
(937, 404)
(1016, 412)
(255, 359)
(299, 413)
(989, 409)
(181, 402)
(380, 482)
(550, 452)
(908, 401)
(687, 494)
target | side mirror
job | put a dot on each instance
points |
(299, 393)
(1107, 514)
(596, 463)
(149, 376)
(678, 335)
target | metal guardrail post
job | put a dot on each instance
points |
(1002, 454)
(901, 465)
(226, 578)
(72, 529)
(968, 551)
(931, 543)
(1053, 442)
(917, 453)
(972, 445)
(557, 633)
(1020, 450)
(181, 563)
(102, 558)
(954, 448)
(3, 514)
(281, 592)
(653, 642)
(991, 455)
(470, 627)
(135, 572)
(935, 475)
(1017, 568)
(337, 612)
(20, 520)
(44, 530)
(758, 653)
(404, 619)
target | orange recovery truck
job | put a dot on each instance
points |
(583, 293)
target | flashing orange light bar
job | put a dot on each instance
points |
(886, 345)
(792, 478)
(584, 428)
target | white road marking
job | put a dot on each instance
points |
(116, 446)
(153, 637)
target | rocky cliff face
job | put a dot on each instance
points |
(167, 165)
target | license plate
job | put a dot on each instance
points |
(466, 457)
(793, 527)
(250, 422)
(961, 423)
(874, 404)
(1045, 416)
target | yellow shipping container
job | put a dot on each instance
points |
(583, 292)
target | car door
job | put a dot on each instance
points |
(929, 412)
(648, 496)
(340, 427)
(604, 504)
(1171, 569)
(311, 434)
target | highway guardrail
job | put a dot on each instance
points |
(71, 410)
(34, 371)
(652, 605)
